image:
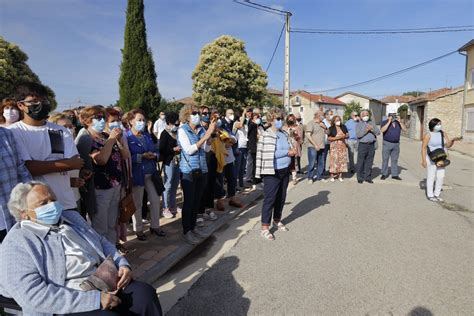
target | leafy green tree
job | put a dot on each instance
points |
(225, 77)
(414, 93)
(14, 70)
(271, 101)
(403, 110)
(351, 107)
(138, 88)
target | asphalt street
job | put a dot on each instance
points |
(352, 249)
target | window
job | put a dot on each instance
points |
(301, 109)
(290, 109)
(470, 121)
(297, 99)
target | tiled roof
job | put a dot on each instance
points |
(317, 98)
(436, 94)
(400, 98)
(274, 91)
(358, 95)
(466, 46)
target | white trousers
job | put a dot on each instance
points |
(154, 200)
(434, 179)
(105, 219)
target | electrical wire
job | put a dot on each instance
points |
(388, 30)
(384, 32)
(387, 75)
(276, 47)
(257, 8)
(267, 7)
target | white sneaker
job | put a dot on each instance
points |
(200, 221)
(324, 181)
(167, 213)
(340, 179)
(439, 199)
(332, 180)
(209, 215)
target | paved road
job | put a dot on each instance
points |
(371, 249)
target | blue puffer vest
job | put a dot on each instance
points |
(197, 160)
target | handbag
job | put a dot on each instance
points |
(127, 207)
(439, 154)
(103, 279)
(158, 182)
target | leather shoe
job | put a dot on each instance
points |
(396, 178)
(369, 181)
(383, 177)
(220, 206)
(235, 203)
(360, 181)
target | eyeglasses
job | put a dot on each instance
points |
(278, 118)
(99, 117)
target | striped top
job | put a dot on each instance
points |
(266, 147)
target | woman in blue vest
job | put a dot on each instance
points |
(194, 142)
(144, 157)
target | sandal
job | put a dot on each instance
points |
(281, 226)
(267, 235)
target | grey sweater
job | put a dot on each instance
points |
(363, 135)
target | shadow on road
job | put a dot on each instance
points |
(420, 311)
(307, 205)
(225, 297)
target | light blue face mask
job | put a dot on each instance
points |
(278, 124)
(219, 123)
(98, 125)
(115, 125)
(140, 126)
(49, 214)
(195, 119)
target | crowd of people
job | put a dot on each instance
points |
(65, 178)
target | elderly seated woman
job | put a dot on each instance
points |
(49, 256)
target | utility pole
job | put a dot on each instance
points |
(286, 89)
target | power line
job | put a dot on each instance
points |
(388, 75)
(379, 32)
(276, 47)
(389, 30)
(258, 8)
(268, 8)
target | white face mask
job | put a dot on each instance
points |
(162, 117)
(338, 123)
(438, 128)
(11, 115)
(330, 117)
(365, 118)
(258, 121)
(231, 117)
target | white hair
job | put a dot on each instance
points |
(17, 202)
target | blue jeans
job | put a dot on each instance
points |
(171, 177)
(315, 163)
(240, 164)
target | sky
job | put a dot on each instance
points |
(74, 45)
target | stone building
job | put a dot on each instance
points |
(307, 104)
(468, 113)
(377, 107)
(445, 104)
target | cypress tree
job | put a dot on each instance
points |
(138, 88)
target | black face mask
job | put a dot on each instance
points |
(39, 111)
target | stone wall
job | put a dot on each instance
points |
(449, 110)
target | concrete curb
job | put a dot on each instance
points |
(164, 265)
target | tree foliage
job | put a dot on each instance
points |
(225, 77)
(403, 110)
(414, 93)
(138, 88)
(14, 70)
(351, 107)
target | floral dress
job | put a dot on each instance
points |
(338, 155)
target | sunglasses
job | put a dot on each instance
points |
(194, 112)
(205, 113)
(278, 118)
(99, 117)
(35, 103)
